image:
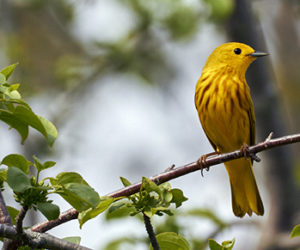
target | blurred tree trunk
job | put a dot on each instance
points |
(284, 196)
(287, 63)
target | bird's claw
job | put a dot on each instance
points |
(246, 152)
(201, 162)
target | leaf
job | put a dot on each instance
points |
(91, 213)
(50, 129)
(27, 116)
(49, 210)
(69, 177)
(178, 197)
(125, 182)
(74, 239)
(2, 78)
(79, 196)
(13, 212)
(119, 210)
(16, 160)
(15, 123)
(172, 241)
(150, 186)
(42, 166)
(296, 231)
(213, 245)
(226, 245)
(3, 173)
(8, 70)
(17, 179)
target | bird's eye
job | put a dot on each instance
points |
(237, 51)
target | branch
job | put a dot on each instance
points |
(177, 172)
(19, 219)
(66, 216)
(4, 215)
(38, 240)
(150, 231)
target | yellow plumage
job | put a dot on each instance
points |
(226, 113)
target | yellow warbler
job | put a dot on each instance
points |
(226, 113)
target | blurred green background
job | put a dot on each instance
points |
(117, 78)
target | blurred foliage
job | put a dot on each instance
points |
(178, 225)
(52, 57)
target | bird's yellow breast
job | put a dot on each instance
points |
(221, 101)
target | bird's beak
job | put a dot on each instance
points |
(258, 54)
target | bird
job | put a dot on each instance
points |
(226, 113)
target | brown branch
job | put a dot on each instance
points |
(38, 240)
(177, 172)
(19, 219)
(68, 215)
(4, 215)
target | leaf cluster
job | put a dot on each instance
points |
(17, 113)
(151, 199)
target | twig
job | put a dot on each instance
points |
(5, 219)
(151, 232)
(38, 240)
(4, 215)
(68, 215)
(19, 219)
(175, 173)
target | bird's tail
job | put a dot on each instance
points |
(244, 191)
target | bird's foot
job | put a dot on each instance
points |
(201, 162)
(246, 152)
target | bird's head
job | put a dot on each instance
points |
(236, 55)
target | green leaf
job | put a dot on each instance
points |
(49, 210)
(27, 116)
(226, 245)
(15, 123)
(17, 179)
(172, 241)
(150, 186)
(69, 177)
(296, 231)
(213, 245)
(79, 196)
(119, 210)
(16, 160)
(10, 91)
(3, 173)
(8, 70)
(125, 182)
(2, 78)
(13, 212)
(74, 239)
(91, 213)
(42, 166)
(178, 197)
(50, 129)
